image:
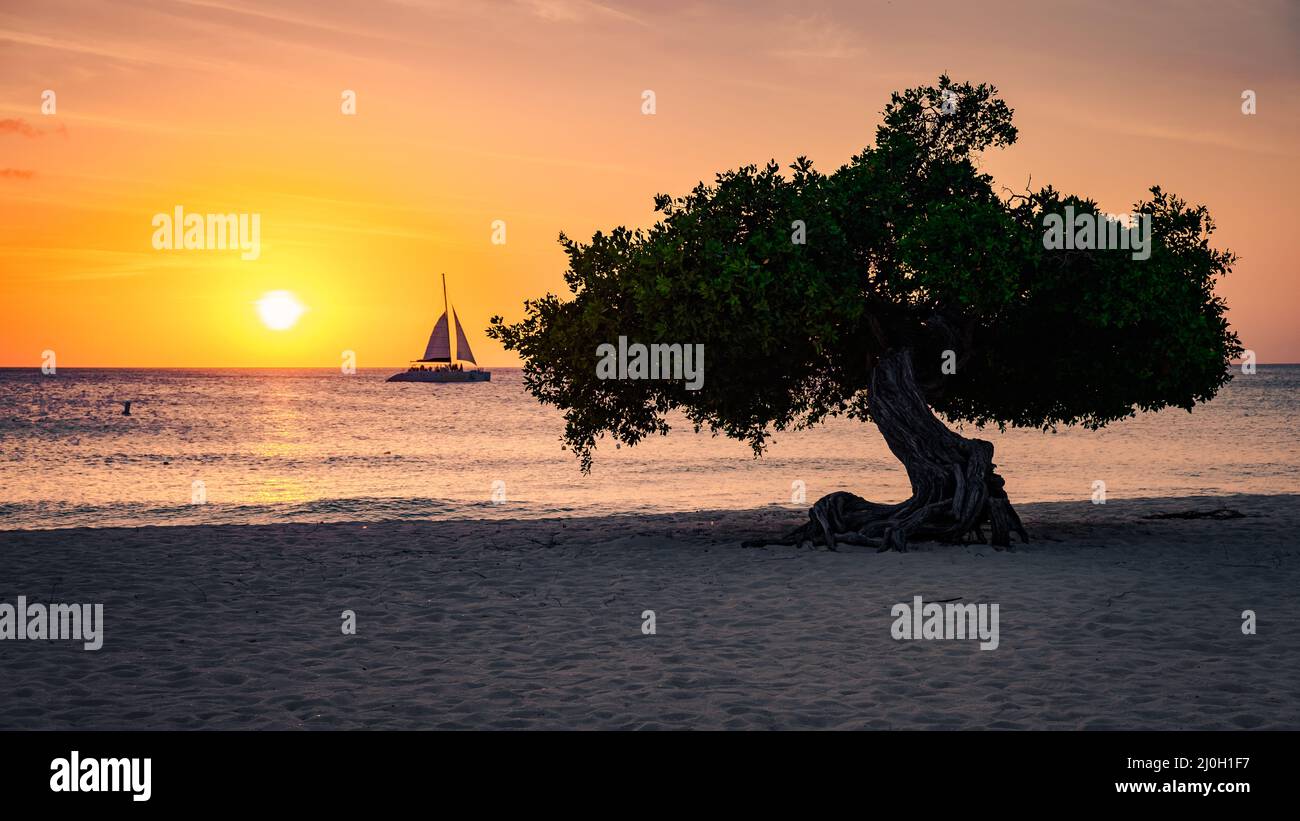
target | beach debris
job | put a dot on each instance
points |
(1219, 513)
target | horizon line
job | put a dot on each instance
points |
(215, 367)
(309, 367)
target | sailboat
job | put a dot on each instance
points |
(443, 355)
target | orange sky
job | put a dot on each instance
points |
(530, 112)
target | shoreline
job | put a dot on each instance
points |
(1107, 621)
(790, 515)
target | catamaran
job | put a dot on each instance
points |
(443, 356)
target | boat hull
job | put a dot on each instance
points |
(441, 376)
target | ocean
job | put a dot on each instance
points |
(264, 446)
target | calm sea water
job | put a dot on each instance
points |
(316, 445)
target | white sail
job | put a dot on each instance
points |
(439, 347)
(462, 344)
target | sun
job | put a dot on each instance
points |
(279, 310)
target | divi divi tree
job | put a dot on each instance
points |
(898, 289)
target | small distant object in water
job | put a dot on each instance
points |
(443, 355)
(1216, 514)
(126, 408)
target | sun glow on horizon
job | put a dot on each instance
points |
(279, 310)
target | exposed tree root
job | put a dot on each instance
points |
(955, 491)
(1218, 514)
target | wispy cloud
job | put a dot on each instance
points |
(51, 264)
(816, 37)
(1187, 134)
(22, 128)
(578, 11)
(17, 173)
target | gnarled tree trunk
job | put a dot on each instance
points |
(954, 489)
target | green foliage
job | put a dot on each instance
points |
(907, 246)
(1098, 335)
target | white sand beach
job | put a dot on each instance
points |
(1107, 621)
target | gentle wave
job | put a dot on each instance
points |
(314, 445)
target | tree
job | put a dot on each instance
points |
(910, 261)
